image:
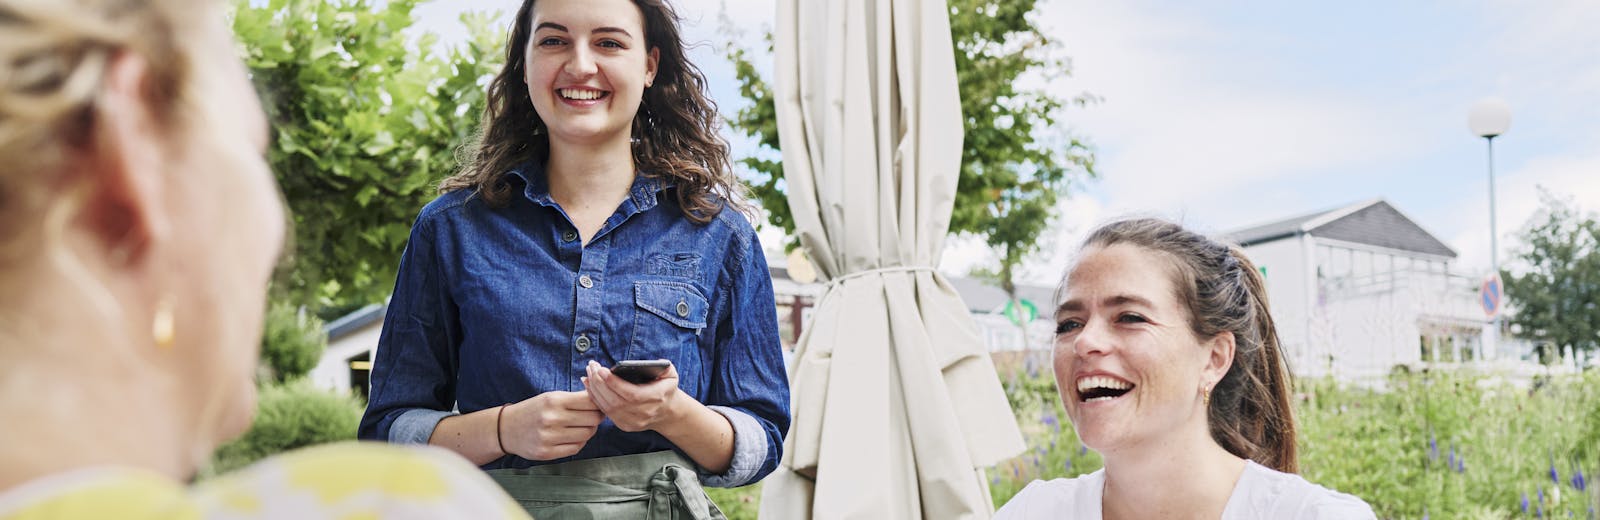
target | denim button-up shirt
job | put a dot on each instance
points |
(497, 305)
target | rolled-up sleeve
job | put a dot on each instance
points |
(749, 385)
(413, 372)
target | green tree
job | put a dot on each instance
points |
(1017, 160)
(365, 123)
(291, 343)
(1554, 293)
(289, 416)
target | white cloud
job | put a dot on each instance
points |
(1518, 200)
(1545, 62)
(1192, 118)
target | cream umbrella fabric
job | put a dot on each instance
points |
(896, 403)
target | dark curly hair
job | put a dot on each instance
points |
(675, 129)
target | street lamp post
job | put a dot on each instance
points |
(1489, 118)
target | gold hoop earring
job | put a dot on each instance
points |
(162, 329)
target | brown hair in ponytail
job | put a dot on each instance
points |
(1249, 414)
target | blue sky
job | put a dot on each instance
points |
(1229, 114)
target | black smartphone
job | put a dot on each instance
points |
(641, 371)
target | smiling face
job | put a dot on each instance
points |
(588, 64)
(1127, 364)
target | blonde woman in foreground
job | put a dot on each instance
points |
(1168, 365)
(138, 227)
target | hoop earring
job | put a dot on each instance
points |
(162, 328)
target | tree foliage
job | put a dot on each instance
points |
(291, 343)
(289, 416)
(365, 122)
(1017, 158)
(1554, 293)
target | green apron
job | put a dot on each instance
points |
(654, 486)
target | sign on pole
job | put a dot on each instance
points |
(1490, 295)
(1026, 314)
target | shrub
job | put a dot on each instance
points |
(291, 343)
(289, 416)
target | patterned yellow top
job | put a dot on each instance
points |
(348, 481)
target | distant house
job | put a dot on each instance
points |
(348, 359)
(988, 302)
(1359, 290)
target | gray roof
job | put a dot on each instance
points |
(984, 296)
(356, 320)
(1374, 223)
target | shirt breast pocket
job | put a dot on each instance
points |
(668, 317)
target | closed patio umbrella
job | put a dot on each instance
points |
(897, 406)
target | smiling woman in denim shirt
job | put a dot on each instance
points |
(596, 222)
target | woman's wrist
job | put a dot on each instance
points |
(499, 438)
(679, 410)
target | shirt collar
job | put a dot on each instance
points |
(645, 192)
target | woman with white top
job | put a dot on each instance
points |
(1169, 366)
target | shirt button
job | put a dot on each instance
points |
(585, 281)
(569, 235)
(683, 309)
(582, 343)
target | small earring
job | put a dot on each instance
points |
(161, 328)
(1205, 397)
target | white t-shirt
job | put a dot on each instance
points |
(1262, 493)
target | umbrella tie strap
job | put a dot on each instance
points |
(902, 269)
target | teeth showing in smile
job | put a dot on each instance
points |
(1101, 388)
(580, 94)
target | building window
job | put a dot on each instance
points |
(360, 371)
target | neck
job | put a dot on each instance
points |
(1182, 476)
(76, 397)
(74, 423)
(585, 178)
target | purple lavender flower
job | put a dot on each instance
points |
(1451, 462)
(1067, 466)
(1050, 420)
(1578, 481)
(1082, 450)
(1461, 465)
(1541, 494)
(995, 481)
(1555, 478)
(1524, 502)
(1433, 447)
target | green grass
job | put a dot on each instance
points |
(1375, 445)
(1493, 444)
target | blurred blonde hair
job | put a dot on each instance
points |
(53, 58)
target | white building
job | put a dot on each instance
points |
(1359, 290)
(348, 359)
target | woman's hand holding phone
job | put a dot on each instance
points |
(634, 407)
